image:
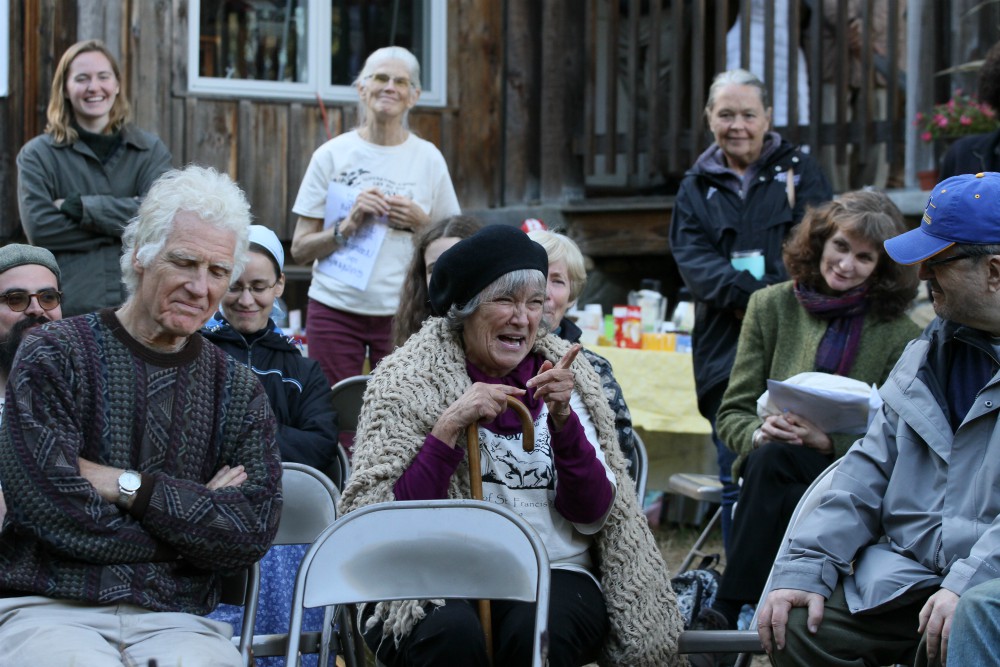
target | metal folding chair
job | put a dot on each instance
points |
(639, 467)
(703, 488)
(412, 550)
(309, 507)
(809, 501)
(348, 395)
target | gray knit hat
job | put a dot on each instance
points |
(18, 254)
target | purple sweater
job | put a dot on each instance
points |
(583, 492)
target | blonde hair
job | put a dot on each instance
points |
(60, 112)
(561, 247)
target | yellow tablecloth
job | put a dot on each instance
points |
(659, 389)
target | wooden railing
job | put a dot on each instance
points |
(650, 64)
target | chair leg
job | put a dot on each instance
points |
(348, 638)
(696, 548)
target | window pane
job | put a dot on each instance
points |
(261, 40)
(359, 27)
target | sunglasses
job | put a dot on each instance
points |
(931, 263)
(18, 300)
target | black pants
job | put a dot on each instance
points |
(774, 479)
(451, 634)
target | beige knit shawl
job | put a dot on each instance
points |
(407, 393)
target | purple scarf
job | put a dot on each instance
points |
(846, 313)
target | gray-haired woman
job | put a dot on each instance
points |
(733, 211)
(610, 590)
(388, 177)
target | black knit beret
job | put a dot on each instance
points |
(470, 265)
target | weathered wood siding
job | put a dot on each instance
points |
(265, 145)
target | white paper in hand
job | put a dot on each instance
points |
(833, 403)
(353, 262)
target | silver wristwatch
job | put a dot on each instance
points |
(128, 484)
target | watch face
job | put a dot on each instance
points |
(129, 481)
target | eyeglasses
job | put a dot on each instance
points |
(383, 79)
(18, 300)
(256, 288)
(931, 263)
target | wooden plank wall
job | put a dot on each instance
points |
(506, 136)
(266, 145)
(40, 30)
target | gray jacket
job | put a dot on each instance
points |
(912, 506)
(87, 250)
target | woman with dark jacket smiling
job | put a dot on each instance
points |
(733, 211)
(296, 386)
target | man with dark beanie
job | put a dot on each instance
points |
(29, 297)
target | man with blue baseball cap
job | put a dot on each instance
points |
(908, 527)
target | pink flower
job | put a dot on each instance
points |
(926, 136)
(920, 116)
(940, 121)
(965, 120)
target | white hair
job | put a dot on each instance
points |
(203, 191)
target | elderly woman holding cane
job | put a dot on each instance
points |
(842, 313)
(611, 598)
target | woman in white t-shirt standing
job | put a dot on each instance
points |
(396, 180)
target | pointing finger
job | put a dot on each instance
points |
(569, 357)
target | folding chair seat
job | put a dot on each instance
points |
(703, 488)
(447, 549)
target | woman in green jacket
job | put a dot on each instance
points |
(843, 313)
(80, 182)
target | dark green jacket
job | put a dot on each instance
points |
(778, 340)
(87, 250)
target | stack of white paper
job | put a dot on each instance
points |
(839, 406)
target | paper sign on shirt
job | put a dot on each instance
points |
(352, 263)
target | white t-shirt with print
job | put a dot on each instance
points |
(526, 483)
(415, 169)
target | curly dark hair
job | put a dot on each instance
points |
(414, 306)
(865, 214)
(989, 78)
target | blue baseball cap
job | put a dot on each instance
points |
(961, 209)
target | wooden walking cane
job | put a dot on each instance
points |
(476, 482)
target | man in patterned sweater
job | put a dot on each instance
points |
(139, 462)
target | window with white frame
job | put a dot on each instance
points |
(275, 48)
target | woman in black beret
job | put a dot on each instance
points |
(610, 592)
